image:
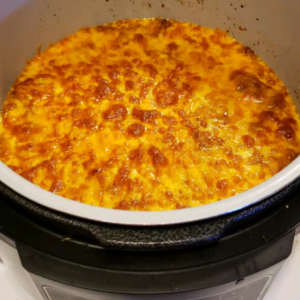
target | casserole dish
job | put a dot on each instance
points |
(246, 22)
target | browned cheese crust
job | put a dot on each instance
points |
(148, 115)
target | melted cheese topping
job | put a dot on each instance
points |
(148, 115)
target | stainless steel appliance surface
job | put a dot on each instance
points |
(271, 30)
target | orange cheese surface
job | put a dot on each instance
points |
(148, 115)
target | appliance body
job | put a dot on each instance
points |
(253, 287)
(285, 286)
(271, 30)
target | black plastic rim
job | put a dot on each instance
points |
(148, 238)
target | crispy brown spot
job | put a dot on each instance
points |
(222, 185)
(161, 130)
(57, 187)
(49, 165)
(24, 130)
(259, 127)
(115, 112)
(168, 138)
(125, 65)
(10, 106)
(88, 123)
(248, 51)
(268, 115)
(27, 82)
(248, 141)
(211, 63)
(136, 61)
(44, 148)
(290, 121)
(118, 96)
(205, 44)
(181, 113)
(277, 101)
(180, 205)
(158, 159)
(165, 24)
(44, 76)
(136, 130)
(203, 123)
(150, 69)
(172, 46)
(179, 67)
(104, 90)
(27, 147)
(255, 159)
(168, 120)
(204, 140)
(169, 195)
(249, 85)
(236, 179)
(122, 179)
(128, 53)
(71, 79)
(76, 113)
(62, 117)
(147, 116)
(290, 155)
(136, 155)
(139, 38)
(142, 205)
(134, 100)
(190, 40)
(115, 47)
(67, 146)
(89, 44)
(129, 85)
(166, 98)
(287, 132)
(123, 205)
(36, 93)
(144, 90)
(30, 174)
(113, 74)
(15, 169)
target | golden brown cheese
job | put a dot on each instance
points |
(148, 115)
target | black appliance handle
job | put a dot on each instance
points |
(155, 238)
